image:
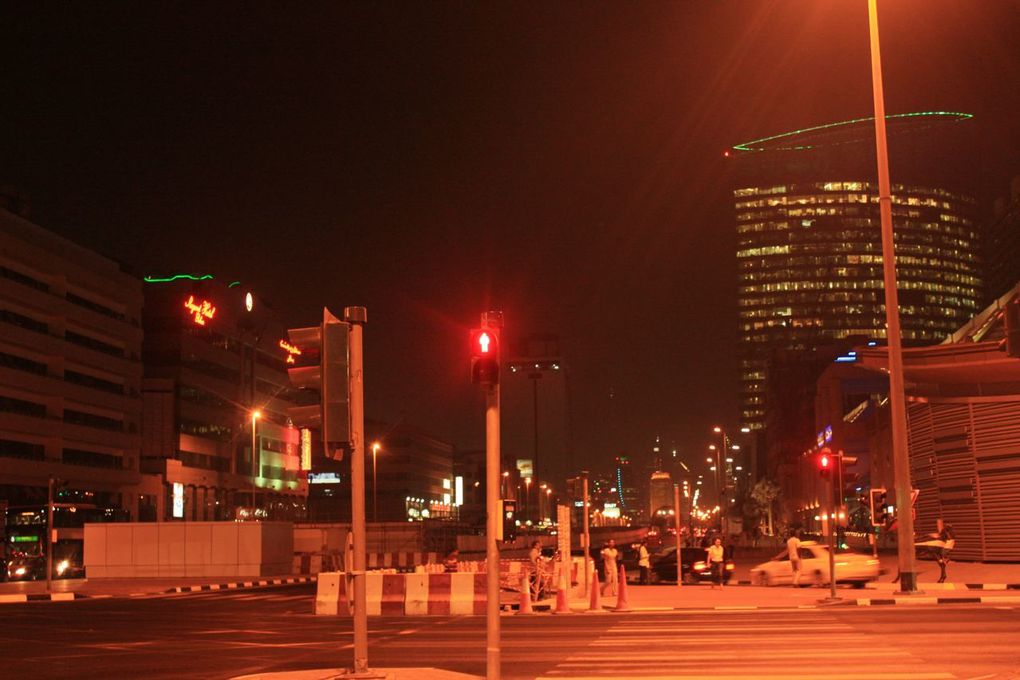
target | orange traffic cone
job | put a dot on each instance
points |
(525, 607)
(562, 604)
(621, 599)
(595, 604)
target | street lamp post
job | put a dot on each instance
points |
(897, 395)
(375, 485)
(527, 499)
(255, 415)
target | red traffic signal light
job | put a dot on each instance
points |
(825, 462)
(484, 356)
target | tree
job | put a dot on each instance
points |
(765, 493)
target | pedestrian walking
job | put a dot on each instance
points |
(943, 532)
(716, 558)
(793, 552)
(644, 561)
(609, 568)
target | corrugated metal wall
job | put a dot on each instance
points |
(965, 460)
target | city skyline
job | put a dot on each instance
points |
(580, 184)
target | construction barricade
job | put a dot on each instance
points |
(404, 594)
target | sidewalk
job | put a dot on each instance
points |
(737, 597)
(67, 589)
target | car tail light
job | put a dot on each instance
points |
(729, 567)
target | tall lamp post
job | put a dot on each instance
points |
(375, 484)
(897, 396)
(255, 415)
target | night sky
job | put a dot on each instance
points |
(560, 161)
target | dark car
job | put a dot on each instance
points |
(694, 564)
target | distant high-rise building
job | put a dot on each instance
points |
(660, 493)
(809, 251)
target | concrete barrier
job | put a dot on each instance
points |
(405, 594)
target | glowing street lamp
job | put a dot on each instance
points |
(255, 415)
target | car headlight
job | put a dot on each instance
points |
(62, 566)
(729, 567)
(20, 571)
(699, 566)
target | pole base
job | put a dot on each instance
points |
(368, 674)
(831, 600)
(908, 584)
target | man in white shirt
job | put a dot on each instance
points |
(609, 556)
(793, 551)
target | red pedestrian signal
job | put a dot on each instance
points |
(825, 462)
(484, 356)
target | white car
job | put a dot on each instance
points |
(851, 567)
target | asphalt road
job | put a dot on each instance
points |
(228, 633)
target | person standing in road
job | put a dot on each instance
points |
(644, 560)
(609, 567)
(716, 557)
(943, 532)
(793, 551)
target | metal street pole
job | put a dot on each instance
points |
(49, 536)
(586, 535)
(494, 519)
(254, 461)
(356, 317)
(375, 485)
(897, 394)
(677, 521)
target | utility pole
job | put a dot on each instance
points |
(897, 394)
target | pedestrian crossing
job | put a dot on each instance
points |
(724, 648)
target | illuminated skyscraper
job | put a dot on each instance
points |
(809, 253)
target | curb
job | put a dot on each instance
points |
(243, 584)
(41, 597)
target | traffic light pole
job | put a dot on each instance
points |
(356, 316)
(493, 522)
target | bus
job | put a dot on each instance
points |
(24, 539)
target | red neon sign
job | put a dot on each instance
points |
(201, 309)
(291, 351)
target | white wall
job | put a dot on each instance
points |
(188, 549)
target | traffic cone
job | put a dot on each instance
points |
(525, 607)
(562, 603)
(595, 604)
(621, 599)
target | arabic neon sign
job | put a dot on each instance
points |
(201, 309)
(291, 351)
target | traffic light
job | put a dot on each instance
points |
(324, 351)
(508, 526)
(825, 463)
(484, 356)
(878, 506)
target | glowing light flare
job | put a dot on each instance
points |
(201, 309)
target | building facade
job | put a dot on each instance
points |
(216, 395)
(70, 373)
(809, 251)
